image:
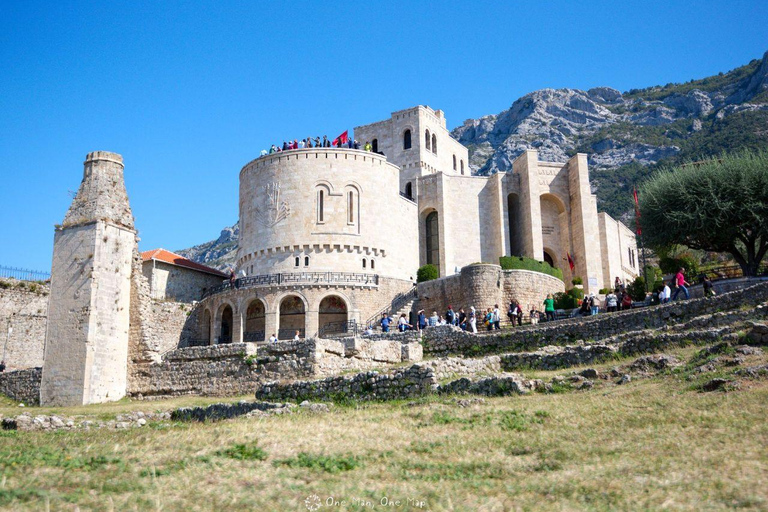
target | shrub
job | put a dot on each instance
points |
(521, 263)
(605, 291)
(669, 265)
(636, 289)
(569, 299)
(577, 280)
(427, 272)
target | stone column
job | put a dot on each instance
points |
(86, 350)
(270, 323)
(526, 166)
(311, 322)
(585, 232)
(238, 320)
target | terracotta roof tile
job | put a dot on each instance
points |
(176, 259)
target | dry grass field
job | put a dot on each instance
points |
(656, 443)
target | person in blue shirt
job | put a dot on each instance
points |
(385, 321)
(422, 320)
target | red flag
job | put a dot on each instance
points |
(637, 213)
(570, 261)
(341, 139)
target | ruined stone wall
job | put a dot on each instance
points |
(485, 285)
(240, 368)
(23, 315)
(449, 340)
(22, 385)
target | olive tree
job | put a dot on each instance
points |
(717, 205)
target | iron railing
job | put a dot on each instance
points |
(410, 198)
(400, 300)
(288, 334)
(729, 272)
(23, 274)
(254, 336)
(291, 278)
(348, 327)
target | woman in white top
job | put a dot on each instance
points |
(473, 319)
(402, 323)
(297, 337)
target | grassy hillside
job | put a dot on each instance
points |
(655, 443)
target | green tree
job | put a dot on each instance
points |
(716, 205)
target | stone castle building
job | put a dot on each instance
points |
(329, 237)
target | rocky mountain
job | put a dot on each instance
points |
(219, 253)
(626, 135)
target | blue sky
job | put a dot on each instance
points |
(188, 92)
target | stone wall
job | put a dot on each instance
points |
(172, 282)
(445, 340)
(240, 368)
(23, 315)
(483, 286)
(406, 383)
(22, 385)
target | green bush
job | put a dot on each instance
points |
(521, 263)
(669, 265)
(636, 289)
(427, 272)
(569, 299)
(577, 280)
(605, 291)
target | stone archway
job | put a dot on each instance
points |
(333, 315)
(205, 328)
(255, 322)
(227, 324)
(513, 218)
(293, 317)
(432, 239)
(556, 231)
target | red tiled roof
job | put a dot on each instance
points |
(181, 261)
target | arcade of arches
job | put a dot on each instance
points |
(258, 324)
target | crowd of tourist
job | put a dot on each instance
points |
(617, 299)
(340, 142)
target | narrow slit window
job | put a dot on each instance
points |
(351, 207)
(364, 262)
(296, 261)
(373, 264)
(306, 261)
(320, 206)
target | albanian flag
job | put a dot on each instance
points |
(570, 261)
(341, 139)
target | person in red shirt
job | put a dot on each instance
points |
(682, 284)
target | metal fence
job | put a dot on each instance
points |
(23, 274)
(290, 278)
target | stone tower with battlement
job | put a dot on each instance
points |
(86, 349)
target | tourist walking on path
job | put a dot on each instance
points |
(402, 323)
(450, 316)
(473, 319)
(385, 322)
(422, 320)
(434, 319)
(594, 303)
(611, 301)
(496, 317)
(681, 284)
(549, 307)
(462, 319)
(709, 290)
(519, 314)
(626, 302)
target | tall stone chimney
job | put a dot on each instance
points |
(86, 345)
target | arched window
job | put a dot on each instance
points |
(432, 239)
(306, 261)
(364, 262)
(407, 139)
(296, 261)
(462, 167)
(427, 139)
(321, 205)
(454, 162)
(375, 145)
(409, 190)
(351, 207)
(434, 144)
(373, 264)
